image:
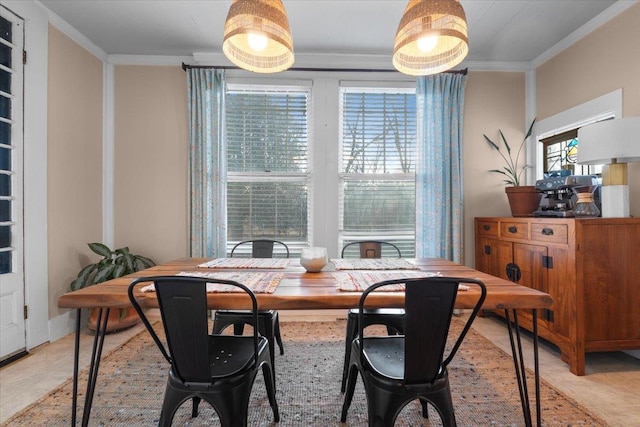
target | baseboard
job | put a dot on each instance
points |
(65, 324)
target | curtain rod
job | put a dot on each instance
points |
(185, 67)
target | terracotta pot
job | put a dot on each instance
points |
(523, 200)
(119, 319)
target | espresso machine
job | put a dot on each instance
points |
(560, 194)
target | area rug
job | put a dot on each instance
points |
(132, 380)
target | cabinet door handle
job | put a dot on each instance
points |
(513, 229)
(513, 272)
(547, 231)
(486, 227)
(487, 249)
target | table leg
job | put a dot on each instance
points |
(518, 361)
(96, 354)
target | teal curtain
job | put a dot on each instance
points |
(439, 213)
(207, 162)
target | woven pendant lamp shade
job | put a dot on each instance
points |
(443, 22)
(261, 18)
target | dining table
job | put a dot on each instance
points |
(283, 284)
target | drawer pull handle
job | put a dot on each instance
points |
(486, 227)
(547, 231)
(513, 229)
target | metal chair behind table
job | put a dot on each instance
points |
(392, 318)
(398, 369)
(268, 320)
(198, 374)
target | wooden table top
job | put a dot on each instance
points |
(300, 290)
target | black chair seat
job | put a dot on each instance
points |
(233, 354)
(386, 356)
(268, 326)
(392, 318)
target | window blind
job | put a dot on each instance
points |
(378, 156)
(267, 133)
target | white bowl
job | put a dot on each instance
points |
(313, 259)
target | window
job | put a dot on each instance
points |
(268, 174)
(560, 155)
(10, 162)
(377, 166)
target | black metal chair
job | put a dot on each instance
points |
(371, 248)
(268, 321)
(392, 318)
(401, 368)
(220, 369)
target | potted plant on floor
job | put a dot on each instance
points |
(116, 263)
(523, 199)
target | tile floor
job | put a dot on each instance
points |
(611, 388)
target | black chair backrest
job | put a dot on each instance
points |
(371, 248)
(261, 248)
(429, 304)
(183, 307)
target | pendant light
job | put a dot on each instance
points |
(431, 37)
(257, 36)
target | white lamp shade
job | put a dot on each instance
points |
(610, 141)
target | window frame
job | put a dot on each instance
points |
(277, 177)
(395, 236)
(323, 137)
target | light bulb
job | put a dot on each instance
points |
(257, 42)
(427, 43)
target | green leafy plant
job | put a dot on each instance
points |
(511, 171)
(116, 263)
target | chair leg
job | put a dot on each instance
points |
(425, 409)
(443, 403)
(238, 328)
(173, 398)
(277, 333)
(265, 327)
(270, 384)
(352, 330)
(194, 408)
(348, 395)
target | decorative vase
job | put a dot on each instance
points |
(523, 200)
(119, 319)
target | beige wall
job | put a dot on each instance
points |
(151, 158)
(74, 161)
(493, 100)
(605, 60)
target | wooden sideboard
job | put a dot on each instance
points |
(590, 267)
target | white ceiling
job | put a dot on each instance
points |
(500, 31)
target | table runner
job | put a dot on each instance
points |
(246, 263)
(373, 264)
(258, 282)
(358, 281)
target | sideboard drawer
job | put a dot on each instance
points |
(488, 228)
(514, 230)
(550, 233)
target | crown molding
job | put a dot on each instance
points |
(608, 14)
(515, 66)
(159, 60)
(73, 34)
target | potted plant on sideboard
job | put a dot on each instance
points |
(523, 199)
(116, 263)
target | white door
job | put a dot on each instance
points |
(12, 310)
